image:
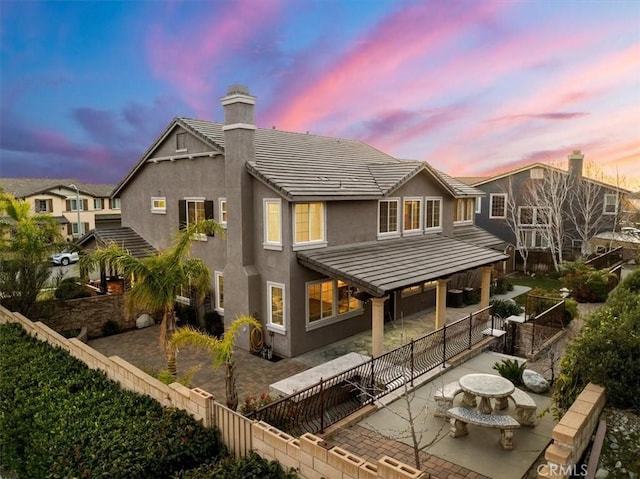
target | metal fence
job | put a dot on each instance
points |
(332, 399)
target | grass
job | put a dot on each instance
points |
(538, 281)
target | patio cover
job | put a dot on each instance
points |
(379, 267)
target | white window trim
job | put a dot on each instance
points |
(199, 199)
(218, 274)
(76, 202)
(113, 207)
(222, 222)
(421, 213)
(302, 245)
(432, 229)
(605, 203)
(156, 210)
(390, 234)
(335, 318)
(533, 216)
(493, 195)
(478, 205)
(101, 204)
(266, 244)
(271, 326)
(463, 222)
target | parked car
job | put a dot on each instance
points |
(65, 257)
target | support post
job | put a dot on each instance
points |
(441, 302)
(485, 291)
(377, 326)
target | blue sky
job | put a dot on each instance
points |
(472, 87)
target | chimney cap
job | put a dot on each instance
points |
(237, 90)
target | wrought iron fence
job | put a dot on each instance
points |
(330, 400)
(547, 324)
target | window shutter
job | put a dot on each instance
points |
(50, 206)
(85, 228)
(85, 205)
(68, 205)
(36, 206)
(208, 212)
(69, 228)
(182, 214)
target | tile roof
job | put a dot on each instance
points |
(23, 187)
(379, 267)
(460, 188)
(479, 237)
(125, 237)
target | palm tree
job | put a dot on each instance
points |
(221, 350)
(26, 242)
(158, 279)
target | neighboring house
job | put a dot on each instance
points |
(77, 210)
(323, 235)
(512, 213)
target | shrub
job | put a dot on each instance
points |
(511, 369)
(214, 324)
(59, 418)
(606, 351)
(505, 308)
(251, 403)
(252, 466)
(570, 305)
(70, 289)
(110, 328)
(587, 284)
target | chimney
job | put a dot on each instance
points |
(575, 164)
(241, 279)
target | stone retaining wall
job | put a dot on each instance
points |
(572, 434)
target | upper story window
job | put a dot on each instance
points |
(533, 215)
(498, 205)
(98, 204)
(412, 215)
(388, 217)
(159, 205)
(309, 223)
(44, 206)
(478, 205)
(222, 205)
(76, 205)
(276, 299)
(115, 203)
(272, 223)
(537, 173)
(610, 206)
(192, 210)
(181, 142)
(433, 217)
(464, 210)
(219, 290)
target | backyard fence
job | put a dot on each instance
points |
(317, 407)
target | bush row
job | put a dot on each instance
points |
(59, 419)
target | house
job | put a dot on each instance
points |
(325, 237)
(78, 207)
(528, 205)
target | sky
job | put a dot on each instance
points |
(473, 87)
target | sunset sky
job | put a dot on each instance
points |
(473, 87)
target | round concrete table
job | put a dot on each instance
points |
(486, 386)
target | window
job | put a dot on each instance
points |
(388, 217)
(537, 173)
(275, 294)
(411, 290)
(533, 215)
(542, 215)
(115, 203)
(478, 205)
(412, 215)
(498, 205)
(433, 207)
(464, 210)
(98, 204)
(78, 229)
(610, 206)
(329, 301)
(525, 215)
(309, 223)
(75, 205)
(159, 205)
(219, 284)
(272, 224)
(194, 209)
(44, 206)
(222, 204)
(181, 142)
(533, 239)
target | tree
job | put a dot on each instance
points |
(158, 279)
(520, 234)
(26, 242)
(221, 350)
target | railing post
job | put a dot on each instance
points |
(470, 325)
(444, 344)
(412, 364)
(533, 333)
(372, 383)
(321, 405)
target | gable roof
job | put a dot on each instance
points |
(24, 187)
(460, 188)
(302, 166)
(488, 179)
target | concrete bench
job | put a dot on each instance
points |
(461, 416)
(526, 407)
(444, 398)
